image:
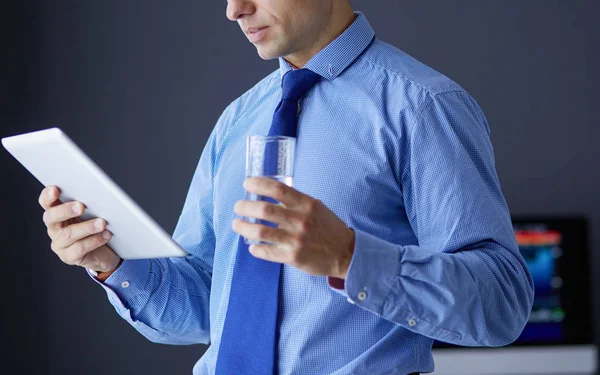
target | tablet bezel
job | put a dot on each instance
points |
(54, 159)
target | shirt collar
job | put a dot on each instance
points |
(339, 54)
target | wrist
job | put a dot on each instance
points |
(103, 275)
(108, 262)
(346, 257)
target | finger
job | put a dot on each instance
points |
(260, 232)
(75, 253)
(272, 188)
(263, 210)
(75, 232)
(55, 215)
(49, 197)
(268, 252)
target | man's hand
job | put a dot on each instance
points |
(310, 236)
(76, 242)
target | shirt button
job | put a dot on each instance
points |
(412, 322)
(125, 284)
(362, 296)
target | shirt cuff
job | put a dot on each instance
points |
(337, 285)
(373, 270)
(128, 280)
(123, 286)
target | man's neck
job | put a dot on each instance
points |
(342, 17)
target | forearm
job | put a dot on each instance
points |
(478, 296)
(166, 300)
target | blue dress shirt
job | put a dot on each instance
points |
(402, 155)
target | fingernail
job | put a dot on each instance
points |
(98, 224)
(106, 235)
(76, 208)
(50, 192)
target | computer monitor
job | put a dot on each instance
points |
(558, 338)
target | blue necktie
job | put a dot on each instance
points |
(249, 342)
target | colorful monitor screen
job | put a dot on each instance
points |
(556, 252)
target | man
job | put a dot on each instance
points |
(394, 234)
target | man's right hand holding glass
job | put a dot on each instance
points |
(77, 242)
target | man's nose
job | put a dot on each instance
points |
(237, 9)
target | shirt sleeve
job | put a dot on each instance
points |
(167, 300)
(466, 282)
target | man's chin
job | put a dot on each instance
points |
(267, 54)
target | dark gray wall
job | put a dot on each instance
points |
(139, 85)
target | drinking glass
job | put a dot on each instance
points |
(268, 156)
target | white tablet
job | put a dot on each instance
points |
(54, 159)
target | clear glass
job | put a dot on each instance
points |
(269, 156)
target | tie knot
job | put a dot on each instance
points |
(297, 82)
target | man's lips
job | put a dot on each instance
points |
(255, 34)
(254, 29)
